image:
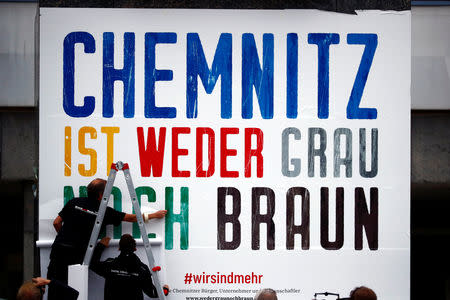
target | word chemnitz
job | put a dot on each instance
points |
(255, 75)
(366, 220)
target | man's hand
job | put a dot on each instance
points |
(39, 281)
(158, 215)
(105, 241)
(166, 289)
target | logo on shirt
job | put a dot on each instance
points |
(124, 273)
(94, 213)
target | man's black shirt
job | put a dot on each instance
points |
(78, 217)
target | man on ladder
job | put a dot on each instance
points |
(74, 225)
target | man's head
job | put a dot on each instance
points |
(363, 293)
(95, 188)
(29, 291)
(266, 294)
(127, 243)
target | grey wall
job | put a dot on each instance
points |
(430, 148)
(17, 54)
(19, 145)
(430, 62)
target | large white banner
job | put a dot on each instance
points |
(278, 141)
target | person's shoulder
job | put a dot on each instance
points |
(137, 260)
(79, 200)
(110, 260)
(73, 201)
(143, 267)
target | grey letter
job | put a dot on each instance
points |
(285, 153)
(347, 159)
(313, 152)
(362, 153)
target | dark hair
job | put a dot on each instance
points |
(127, 243)
(362, 293)
(95, 188)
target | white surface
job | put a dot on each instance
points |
(78, 279)
(388, 89)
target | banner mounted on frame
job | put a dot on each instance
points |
(278, 141)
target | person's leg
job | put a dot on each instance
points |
(57, 269)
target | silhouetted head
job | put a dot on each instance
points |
(362, 293)
(127, 243)
(29, 291)
(266, 294)
(95, 188)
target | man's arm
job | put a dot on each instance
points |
(57, 223)
(156, 215)
(66, 291)
(100, 267)
(147, 283)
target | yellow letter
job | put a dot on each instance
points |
(87, 151)
(110, 131)
(67, 151)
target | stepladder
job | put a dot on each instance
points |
(78, 274)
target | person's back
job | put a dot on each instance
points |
(79, 216)
(126, 277)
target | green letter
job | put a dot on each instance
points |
(182, 218)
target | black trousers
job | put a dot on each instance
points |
(61, 257)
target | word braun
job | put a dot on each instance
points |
(365, 220)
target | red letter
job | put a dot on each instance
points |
(151, 158)
(225, 152)
(211, 152)
(178, 152)
(249, 152)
